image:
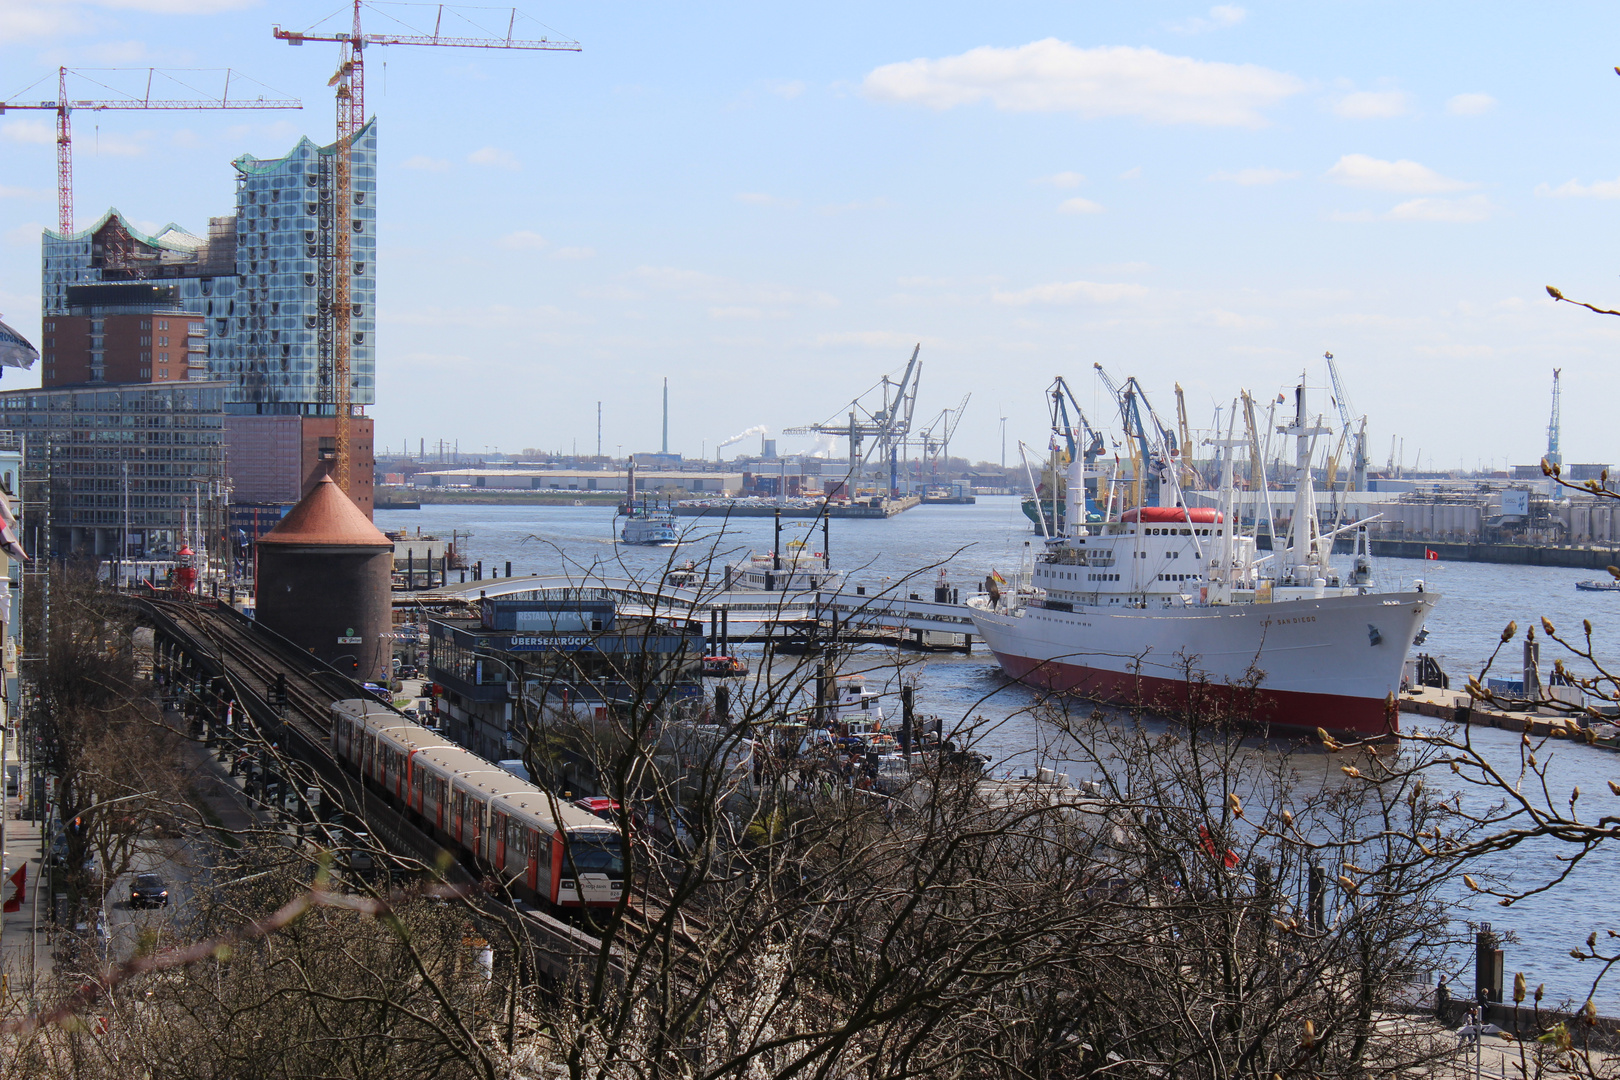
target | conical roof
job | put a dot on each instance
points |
(328, 518)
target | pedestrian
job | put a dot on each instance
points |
(1442, 998)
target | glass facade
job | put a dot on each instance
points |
(258, 279)
(149, 458)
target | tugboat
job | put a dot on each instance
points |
(647, 526)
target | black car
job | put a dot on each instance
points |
(148, 891)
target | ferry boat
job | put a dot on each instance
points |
(646, 525)
(1131, 610)
(795, 570)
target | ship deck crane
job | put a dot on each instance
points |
(1160, 442)
(886, 426)
(64, 108)
(333, 371)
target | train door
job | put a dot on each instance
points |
(441, 794)
(532, 871)
(556, 866)
(497, 833)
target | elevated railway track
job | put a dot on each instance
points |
(239, 671)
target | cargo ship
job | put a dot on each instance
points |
(1157, 598)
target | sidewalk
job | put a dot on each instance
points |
(25, 947)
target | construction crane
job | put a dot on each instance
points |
(1080, 440)
(1353, 428)
(886, 426)
(64, 108)
(333, 372)
(1555, 456)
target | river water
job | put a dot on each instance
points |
(967, 542)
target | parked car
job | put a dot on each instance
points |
(148, 890)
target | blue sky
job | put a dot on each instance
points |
(771, 204)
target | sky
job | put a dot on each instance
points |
(771, 205)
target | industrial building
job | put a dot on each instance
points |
(651, 482)
(261, 284)
(142, 460)
(536, 656)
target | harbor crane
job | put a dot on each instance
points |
(1555, 456)
(936, 439)
(1152, 452)
(1355, 429)
(332, 368)
(64, 107)
(886, 426)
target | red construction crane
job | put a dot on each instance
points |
(64, 107)
(351, 117)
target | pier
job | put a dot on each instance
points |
(850, 615)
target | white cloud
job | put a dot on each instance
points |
(1470, 104)
(1466, 210)
(1373, 104)
(37, 132)
(1231, 320)
(523, 240)
(1598, 189)
(24, 19)
(494, 157)
(574, 253)
(1110, 80)
(1469, 208)
(1132, 173)
(1062, 180)
(759, 198)
(423, 163)
(741, 313)
(1072, 292)
(1252, 177)
(788, 88)
(1220, 17)
(1079, 206)
(1359, 170)
(21, 192)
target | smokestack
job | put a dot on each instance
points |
(666, 414)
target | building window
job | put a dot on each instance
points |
(146, 324)
(163, 358)
(163, 324)
(163, 341)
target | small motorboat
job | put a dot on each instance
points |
(1598, 586)
(724, 667)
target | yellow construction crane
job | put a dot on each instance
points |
(337, 384)
(1189, 474)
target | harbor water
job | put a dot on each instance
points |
(908, 553)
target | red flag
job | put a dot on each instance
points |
(1430, 553)
(20, 880)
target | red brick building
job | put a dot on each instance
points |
(119, 334)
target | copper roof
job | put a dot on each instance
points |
(328, 517)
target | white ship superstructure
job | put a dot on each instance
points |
(1135, 609)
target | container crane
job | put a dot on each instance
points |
(1555, 456)
(333, 372)
(1189, 475)
(887, 425)
(64, 108)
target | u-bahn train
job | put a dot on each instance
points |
(545, 849)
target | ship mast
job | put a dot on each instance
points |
(1303, 557)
